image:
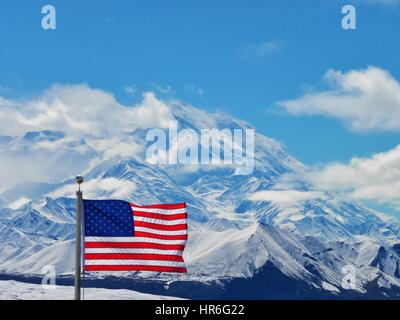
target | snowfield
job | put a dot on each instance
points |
(13, 290)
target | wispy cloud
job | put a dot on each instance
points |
(374, 178)
(367, 99)
(130, 90)
(191, 88)
(286, 196)
(163, 89)
(4, 90)
(259, 50)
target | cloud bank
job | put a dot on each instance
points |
(364, 100)
(68, 128)
(374, 178)
(79, 110)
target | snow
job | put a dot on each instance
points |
(13, 290)
(329, 287)
(232, 232)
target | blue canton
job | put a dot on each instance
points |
(108, 218)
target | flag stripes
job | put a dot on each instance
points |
(160, 216)
(158, 263)
(178, 232)
(157, 243)
(160, 236)
(133, 245)
(132, 256)
(169, 207)
(160, 221)
(129, 250)
(158, 226)
(136, 268)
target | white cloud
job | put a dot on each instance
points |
(97, 188)
(42, 161)
(261, 50)
(286, 196)
(18, 203)
(375, 178)
(80, 110)
(116, 146)
(88, 126)
(367, 99)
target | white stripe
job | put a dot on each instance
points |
(134, 239)
(133, 251)
(163, 232)
(160, 263)
(162, 222)
(160, 211)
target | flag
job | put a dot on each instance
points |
(121, 236)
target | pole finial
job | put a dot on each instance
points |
(79, 181)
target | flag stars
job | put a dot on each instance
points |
(108, 218)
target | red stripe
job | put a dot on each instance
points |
(160, 236)
(130, 256)
(160, 226)
(178, 216)
(134, 245)
(162, 206)
(136, 268)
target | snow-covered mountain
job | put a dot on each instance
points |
(240, 244)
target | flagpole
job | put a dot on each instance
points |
(78, 253)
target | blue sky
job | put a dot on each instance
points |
(214, 48)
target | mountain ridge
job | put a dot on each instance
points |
(233, 239)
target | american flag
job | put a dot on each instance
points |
(121, 236)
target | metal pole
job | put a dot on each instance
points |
(78, 253)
